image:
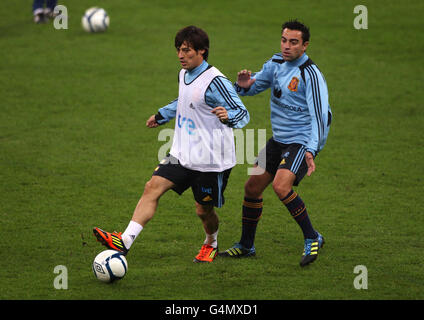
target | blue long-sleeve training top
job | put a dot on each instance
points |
(300, 111)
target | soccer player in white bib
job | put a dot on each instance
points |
(202, 153)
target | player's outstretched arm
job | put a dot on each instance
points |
(164, 115)
(250, 84)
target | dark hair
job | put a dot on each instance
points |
(195, 37)
(297, 25)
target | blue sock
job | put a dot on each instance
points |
(37, 4)
(298, 211)
(51, 4)
(252, 212)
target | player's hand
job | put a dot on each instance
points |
(151, 122)
(310, 162)
(244, 79)
(221, 113)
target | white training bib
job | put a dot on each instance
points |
(201, 142)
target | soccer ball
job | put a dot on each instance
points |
(110, 265)
(95, 20)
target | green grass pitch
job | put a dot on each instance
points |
(75, 152)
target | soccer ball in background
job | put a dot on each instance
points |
(110, 265)
(95, 20)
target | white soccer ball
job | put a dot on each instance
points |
(110, 265)
(95, 20)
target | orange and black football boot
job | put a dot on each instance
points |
(206, 254)
(112, 240)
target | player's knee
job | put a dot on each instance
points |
(151, 189)
(251, 190)
(201, 214)
(204, 211)
(281, 188)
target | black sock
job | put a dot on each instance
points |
(252, 212)
(298, 211)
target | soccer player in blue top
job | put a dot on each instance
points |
(300, 119)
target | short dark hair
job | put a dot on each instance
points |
(197, 38)
(297, 25)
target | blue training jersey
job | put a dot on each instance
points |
(300, 112)
(220, 93)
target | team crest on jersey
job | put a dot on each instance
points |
(293, 84)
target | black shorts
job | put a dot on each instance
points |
(208, 187)
(277, 155)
